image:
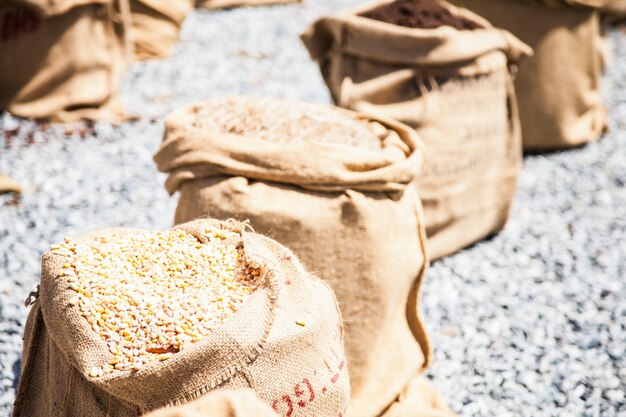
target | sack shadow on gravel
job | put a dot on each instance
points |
(17, 371)
(486, 239)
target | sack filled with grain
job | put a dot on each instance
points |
(229, 4)
(446, 73)
(334, 186)
(156, 24)
(128, 321)
(62, 59)
(9, 185)
(220, 403)
(558, 89)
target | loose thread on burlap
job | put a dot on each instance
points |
(434, 85)
(249, 378)
(109, 406)
(419, 80)
(33, 296)
(114, 15)
(68, 388)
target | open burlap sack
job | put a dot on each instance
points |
(558, 89)
(220, 403)
(285, 342)
(347, 212)
(156, 24)
(62, 59)
(228, 4)
(9, 185)
(452, 86)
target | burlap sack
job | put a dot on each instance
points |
(297, 370)
(228, 4)
(9, 185)
(349, 215)
(62, 60)
(558, 89)
(613, 11)
(221, 403)
(156, 24)
(453, 87)
(419, 399)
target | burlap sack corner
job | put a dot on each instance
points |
(261, 347)
(558, 89)
(455, 89)
(156, 25)
(348, 213)
(62, 60)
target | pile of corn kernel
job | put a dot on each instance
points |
(152, 294)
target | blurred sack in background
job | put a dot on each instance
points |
(453, 85)
(558, 89)
(9, 185)
(226, 4)
(220, 403)
(613, 11)
(156, 24)
(348, 212)
(62, 60)
(299, 370)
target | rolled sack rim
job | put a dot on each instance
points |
(352, 34)
(173, 12)
(190, 153)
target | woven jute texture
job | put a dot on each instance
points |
(349, 214)
(228, 4)
(62, 60)
(558, 89)
(155, 26)
(419, 399)
(220, 403)
(454, 88)
(298, 370)
(9, 185)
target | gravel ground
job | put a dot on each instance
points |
(530, 323)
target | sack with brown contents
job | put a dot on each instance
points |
(62, 60)
(156, 24)
(129, 321)
(332, 185)
(445, 72)
(228, 4)
(558, 89)
(220, 403)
